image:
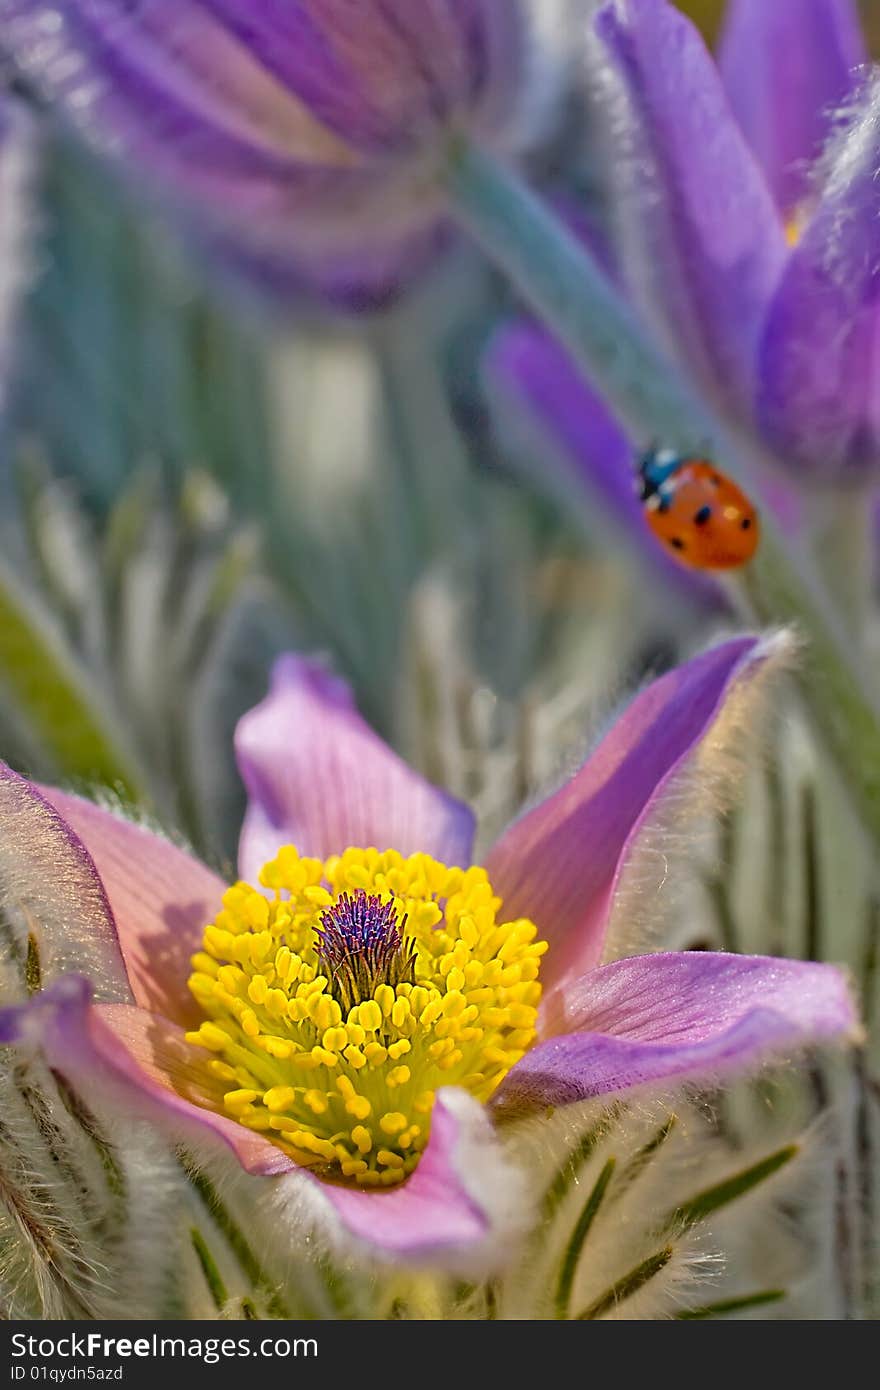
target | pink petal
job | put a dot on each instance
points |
(120, 1046)
(449, 1205)
(559, 863)
(318, 777)
(161, 898)
(52, 890)
(684, 1016)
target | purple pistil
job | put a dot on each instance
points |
(362, 945)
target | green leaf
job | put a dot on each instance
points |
(213, 1277)
(567, 1174)
(721, 1195)
(578, 1236)
(628, 1285)
(54, 698)
(733, 1305)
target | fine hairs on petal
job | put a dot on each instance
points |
(684, 814)
(640, 243)
(851, 154)
(55, 913)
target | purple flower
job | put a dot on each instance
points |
(306, 137)
(781, 336)
(787, 67)
(358, 1028)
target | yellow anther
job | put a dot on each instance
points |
(355, 1057)
(389, 1159)
(222, 1070)
(353, 1167)
(384, 996)
(362, 1139)
(345, 1087)
(398, 1076)
(257, 989)
(279, 1098)
(370, 1016)
(209, 1035)
(326, 1012)
(392, 1122)
(321, 1055)
(400, 1013)
(237, 1100)
(454, 1004)
(521, 1015)
(316, 1101)
(335, 1039)
(430, 1013)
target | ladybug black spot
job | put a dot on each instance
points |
(745, 523)
(676, 542)
(715, 480)
(702, 516)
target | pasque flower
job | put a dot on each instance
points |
(306, 137)
(756, 267)
(362, 1010)
(782, 334)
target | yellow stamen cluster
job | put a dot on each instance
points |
(350, 1094)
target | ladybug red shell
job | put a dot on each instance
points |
(698, 513)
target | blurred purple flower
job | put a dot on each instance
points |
(782, 337)
(312, 133)
(787, 66)
(317, 775)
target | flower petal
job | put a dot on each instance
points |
(819, 395)
(702, 243)
(560, 862)
(318, 777)
(678, 1016)
(51, 892)
(145, 1055)
(161, 899)
(786, 66)
(168, 79)
(590, 460)
(462, 1202)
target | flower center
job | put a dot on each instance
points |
(337, 1006)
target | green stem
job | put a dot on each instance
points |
(561, 282)
(843, 544)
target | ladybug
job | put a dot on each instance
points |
(702, 517)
